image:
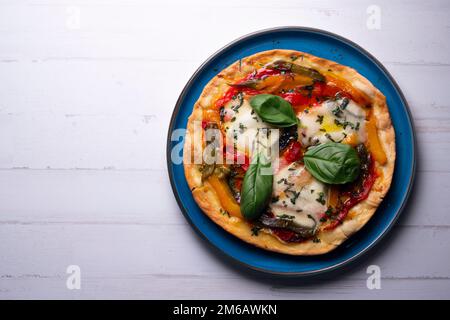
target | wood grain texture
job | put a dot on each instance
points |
(85, 108)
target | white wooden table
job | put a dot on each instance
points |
(87, 88)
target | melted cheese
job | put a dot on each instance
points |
(332, 122)
(244, 128)
(299, 195)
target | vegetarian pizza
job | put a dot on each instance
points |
(289, 152)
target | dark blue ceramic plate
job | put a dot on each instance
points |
(332, 47)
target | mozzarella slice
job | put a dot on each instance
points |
(333, 120)
(298, 196)
(244, 128)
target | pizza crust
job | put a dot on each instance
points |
(358, 216)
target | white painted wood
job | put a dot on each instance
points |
(84, 112)
(51, 124)
(121, 252)
(143, 29)
(180, 287)
(106, 249)
(128, 197)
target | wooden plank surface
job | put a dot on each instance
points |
(87, 91)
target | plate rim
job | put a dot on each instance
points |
(363, 51)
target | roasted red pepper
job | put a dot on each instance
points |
(318, 92)
(287, 235)
(298, 99)
(293, 152)
(323, 91)
(355, 197)
(233, 91)
(237, 157)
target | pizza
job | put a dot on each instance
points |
(289, 152)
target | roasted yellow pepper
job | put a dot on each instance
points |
(226, 198)
(375, 146)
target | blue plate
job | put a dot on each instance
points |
(332, 47)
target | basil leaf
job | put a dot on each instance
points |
(256, 187)
(274, 110)
(333, 163)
